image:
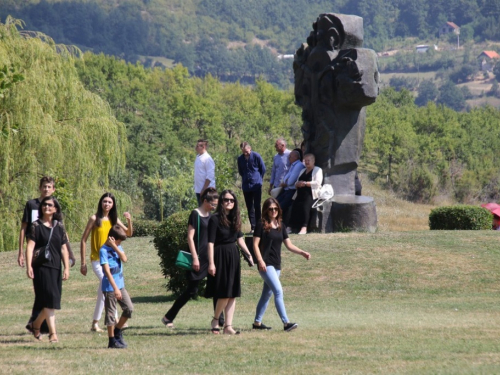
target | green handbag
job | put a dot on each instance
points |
(184, 258)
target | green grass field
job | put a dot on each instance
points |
(417, 302)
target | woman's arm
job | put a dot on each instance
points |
(211, 264)
(243, 245)
(317, 179)
(65, 258)
(261, 265)
(294, 249)
(128, 229)
(192, 248)
(83, 244)
(29, 256)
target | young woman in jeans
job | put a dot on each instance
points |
(268, 236)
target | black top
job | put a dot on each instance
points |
(40, 234)
(219, 234)
(30, 213)
(200, 242)
(270, 244)
(306, 190)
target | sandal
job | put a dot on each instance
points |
(51, 339)
(231, 333)
(39, 336)
(215, 330)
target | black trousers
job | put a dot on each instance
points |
(252, 200)
(190, 292)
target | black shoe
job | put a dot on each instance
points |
(119, 337)
(262, 326)
(290, 327)
(116, 345)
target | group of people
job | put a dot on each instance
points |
(295, 181)
(212, 239)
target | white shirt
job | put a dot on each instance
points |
(204, 169)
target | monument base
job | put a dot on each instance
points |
(345, 213)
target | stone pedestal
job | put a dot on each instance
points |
(346, 213)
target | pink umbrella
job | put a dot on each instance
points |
(491, 206)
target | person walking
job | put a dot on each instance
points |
(47, 231)
(251, 168)
(98, 227)
(224, 269)
(204, 169)
(280, 164)
(269, 234)
(197, 239)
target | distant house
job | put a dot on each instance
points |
(448, 28)
(487, 60)
(422, 48)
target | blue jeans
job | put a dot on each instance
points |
(272, 285)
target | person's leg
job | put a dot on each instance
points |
(229, 312)
(221, 316)
(250, 209)
(307, 214)
(257, 196)
(51, 322)
(127, 310)
(263, 301)
(110, 320)
(219, 308)
(272, 279)
(189, 293)
(99, 305)
(42, 316)
(198, 199)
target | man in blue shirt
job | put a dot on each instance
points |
(251, 169)
(288, 184)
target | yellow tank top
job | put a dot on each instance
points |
(99, 237)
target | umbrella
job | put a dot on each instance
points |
(491, 207)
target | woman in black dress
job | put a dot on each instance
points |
(46, 277)
(308, 186)
(224, 272)
(197, 239)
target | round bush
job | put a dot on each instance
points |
(145, 228)
(170, 237)
(460, 217)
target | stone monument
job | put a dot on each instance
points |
(335, 79)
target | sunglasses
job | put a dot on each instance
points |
(47, 205)
(273, 209)
(228, 200)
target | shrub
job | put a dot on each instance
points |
(145, 228)
(460, 217)
(170, 237)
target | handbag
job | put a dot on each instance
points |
(185, 258)
(42, 254)
(325, 195)
(276, 191)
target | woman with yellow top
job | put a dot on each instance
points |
(98, 226)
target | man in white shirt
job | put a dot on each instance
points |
(204, 169)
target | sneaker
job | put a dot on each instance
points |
(116, 345)
(290, 327)
(167, 322)
(262, 326)
(119, 337)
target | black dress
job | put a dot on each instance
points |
(47, 280)
(302, 204)
(227, 280)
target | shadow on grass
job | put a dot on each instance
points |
(153, 299)
(170, 332)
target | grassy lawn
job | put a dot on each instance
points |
(416, 302)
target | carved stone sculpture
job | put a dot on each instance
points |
(335, 79)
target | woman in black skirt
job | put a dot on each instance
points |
(308, 186)
(46, 277)
(224, 272)
(197, 239)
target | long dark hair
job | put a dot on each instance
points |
(266, 218)
(233, 220)
(113, 213)
(57, 215)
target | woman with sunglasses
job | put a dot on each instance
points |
(98, 228)
(268, 236)
(47, 280)
(224, 271)
(197, 239)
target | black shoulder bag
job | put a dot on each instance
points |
(42, 254)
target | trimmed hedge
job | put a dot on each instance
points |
(170, 237)
(145, 228)
(461, 217)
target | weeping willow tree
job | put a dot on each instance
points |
(51, 125)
